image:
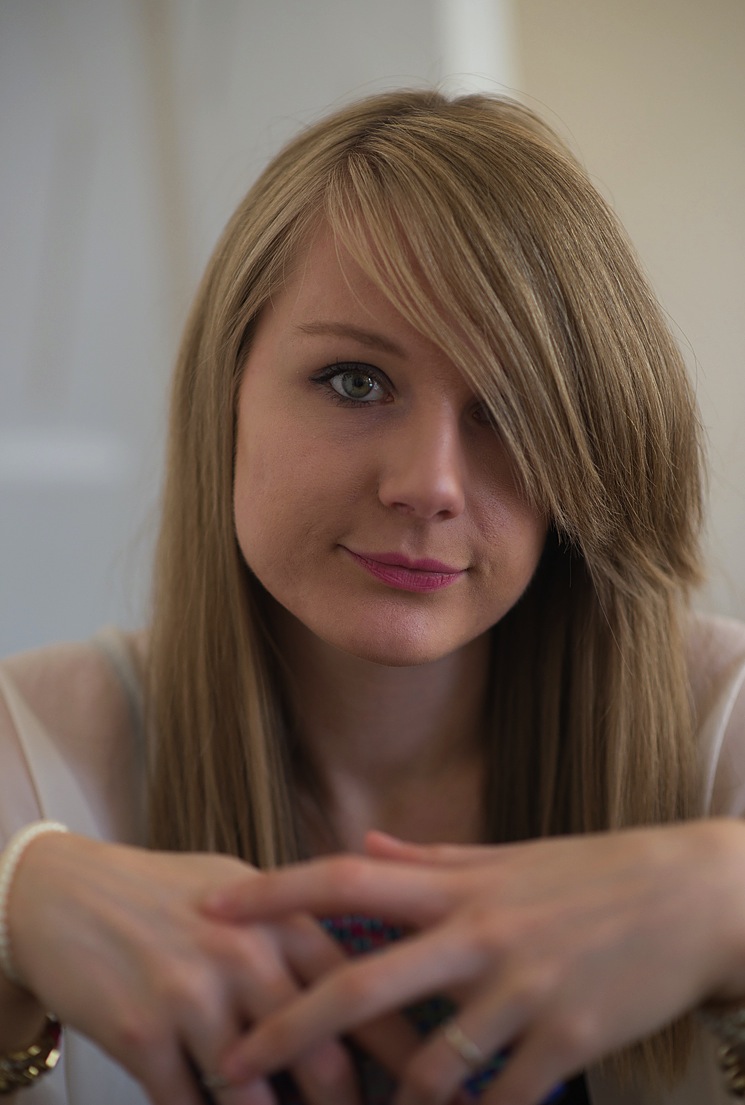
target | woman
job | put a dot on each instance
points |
(429, 530)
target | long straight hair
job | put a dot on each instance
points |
(488, 237)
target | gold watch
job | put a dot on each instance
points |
(21, 1068)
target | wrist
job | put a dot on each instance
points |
(10, 859)
(22, 1017)
(29, 1037)
(723, 877)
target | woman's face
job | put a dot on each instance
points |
(372, 498)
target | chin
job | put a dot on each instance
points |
(388, 637)
(394, 657)
(396, 650)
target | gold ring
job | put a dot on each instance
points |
(463, 1045)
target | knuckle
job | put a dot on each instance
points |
(347, 873)
(572, 1038)
(185, 990)
(489, 934)
(422, 1079)
(529, 990)
(139, 1034)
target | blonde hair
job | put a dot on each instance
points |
(486, 235)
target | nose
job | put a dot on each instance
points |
(423, 470)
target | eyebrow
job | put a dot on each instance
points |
(346, 330)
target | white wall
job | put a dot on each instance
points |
(130, 128)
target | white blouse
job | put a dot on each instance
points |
(72, 749)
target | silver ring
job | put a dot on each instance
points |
(215, 1082)
(463, 1045)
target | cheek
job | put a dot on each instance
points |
(256, 483)
(515, 527)
(530, 529)
(285, 495)
(515, 534)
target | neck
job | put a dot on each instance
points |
(395, 748)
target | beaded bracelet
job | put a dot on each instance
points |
(728, 1025)
(8, 864)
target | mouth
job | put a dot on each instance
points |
(404, 574)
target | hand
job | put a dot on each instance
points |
(111, 939)
(565, 949)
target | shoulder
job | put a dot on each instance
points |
(73, 689)
(716, 656)
(70, 701)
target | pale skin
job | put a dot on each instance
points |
(387, 683)
(111, 938)
(564, 946)
(567, 949)
(574, 947)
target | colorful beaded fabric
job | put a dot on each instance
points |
(359, 935)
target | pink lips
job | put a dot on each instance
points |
(404, 574)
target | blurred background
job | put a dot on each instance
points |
(129, 129)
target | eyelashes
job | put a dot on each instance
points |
(356, 384)
(353, 384)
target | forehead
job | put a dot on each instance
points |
(326, 290)
(326, 278)
(329, 309)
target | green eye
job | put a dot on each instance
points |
(356, 384)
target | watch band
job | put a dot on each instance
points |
(21, 1068)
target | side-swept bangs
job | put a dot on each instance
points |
(490, 239)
